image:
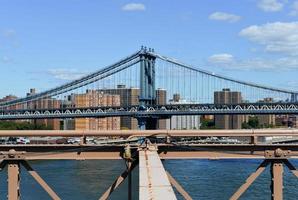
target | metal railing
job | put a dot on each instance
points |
(168, 144)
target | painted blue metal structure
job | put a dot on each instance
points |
(154, 70)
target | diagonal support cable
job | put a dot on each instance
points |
(39, 180)
(2, 164)
(291, 167)
(178, 187)
(250, 180)
(118, 181)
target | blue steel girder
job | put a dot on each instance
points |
(155, 111)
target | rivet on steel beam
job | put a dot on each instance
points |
(278, 152)
(11, 153)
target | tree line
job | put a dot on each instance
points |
(11, 125)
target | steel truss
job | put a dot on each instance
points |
(275, 155)
(276, 161)
(161, 111)
(13, 160)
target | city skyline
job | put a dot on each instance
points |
(42, 51)
(127, 99)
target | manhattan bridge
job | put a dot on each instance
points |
(149, 71)
(164, 88)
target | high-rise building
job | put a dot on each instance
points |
(8, 98)
(94, 98)
(128, 97)
(183, 121)
(176, 97)
(266, 120)
(47, 104)
(226, 96)
(286, 121)
(31, 92)
(293, 121)
(161, 99)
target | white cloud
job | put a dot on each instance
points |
(276, 37)
(293, 84)
(221, 16)
(66, 74)
(8, 33)
(228, 61)
(134, 7)
(294, 11)
(270, 5)
(10, 37)
(6, 59)
(284, 63)
(223, 58)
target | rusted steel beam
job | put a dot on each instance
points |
(241, 149)
(117, 156)
(291, 167)
(118, 181)
(174, 133)
(277, 180)
(74, 156)
(163, 155)
(41, 182)
(13, 170)
(112, 152)
(106, 152)
(109, 146)
(178, 187)
(66, 152)
(56, 148)
(250, 180)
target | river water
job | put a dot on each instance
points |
(203, 179)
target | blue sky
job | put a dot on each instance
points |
(46, 43)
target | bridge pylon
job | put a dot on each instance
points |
(147, 87)
(147, 78)
(294, 97)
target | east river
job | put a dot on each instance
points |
(203, 179)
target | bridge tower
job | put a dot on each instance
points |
(147, 87)
(294, 97)
(147, 78)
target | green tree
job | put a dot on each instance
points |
(253, 122)
(11, 125)
(207, 124)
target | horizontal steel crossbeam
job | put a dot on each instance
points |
(159, 111)
(253, 149)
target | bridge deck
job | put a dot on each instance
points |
(154, 182)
